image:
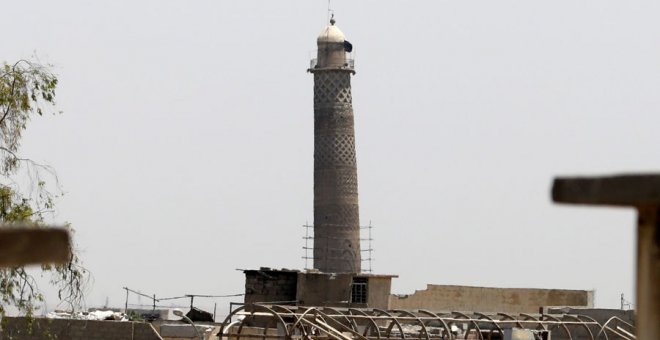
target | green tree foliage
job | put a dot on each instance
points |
(27, 89)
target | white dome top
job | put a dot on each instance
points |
(331, 34)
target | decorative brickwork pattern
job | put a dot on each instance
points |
(332, 88)
(336, 219)
(342, 181)
(336, 210)
(335, 118)
(334, 150)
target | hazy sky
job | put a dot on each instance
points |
(186, 144)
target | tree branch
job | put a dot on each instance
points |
(27, 160)
(6, 113)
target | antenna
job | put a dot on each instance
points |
(625, 304)
(330, 12)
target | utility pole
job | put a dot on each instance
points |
(126, 304)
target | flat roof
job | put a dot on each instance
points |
(315, 272)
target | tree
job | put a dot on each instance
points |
(27, 89)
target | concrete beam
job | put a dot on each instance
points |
(622, 190)
(30, 245)
(643, 193)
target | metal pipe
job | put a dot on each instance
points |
(401, 324)
(187, 319)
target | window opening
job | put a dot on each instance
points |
(359, 290)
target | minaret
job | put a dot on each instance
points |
(336, 212)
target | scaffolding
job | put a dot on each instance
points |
(366, 246)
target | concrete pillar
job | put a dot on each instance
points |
(648, 273)
(643, 193)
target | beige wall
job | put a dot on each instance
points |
(379, 292)
(48, 329)
(485, 299)
(323, 289)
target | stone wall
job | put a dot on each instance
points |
(266, 285)
(323, 289)
(187, 332)
(54, 329)
(486, 299)
(313, 288)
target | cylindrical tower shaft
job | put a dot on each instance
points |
(336, 212)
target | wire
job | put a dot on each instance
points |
(214, 296)
(174, 298)
(138, 293)
(186, 296)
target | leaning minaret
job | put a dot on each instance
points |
(336, 213)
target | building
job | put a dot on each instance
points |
(336, 279)
(336, 209)
(315, 288)
(490, 299)
(75, 329)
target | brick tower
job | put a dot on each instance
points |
(336, 212)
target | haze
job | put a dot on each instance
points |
(186, 144)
